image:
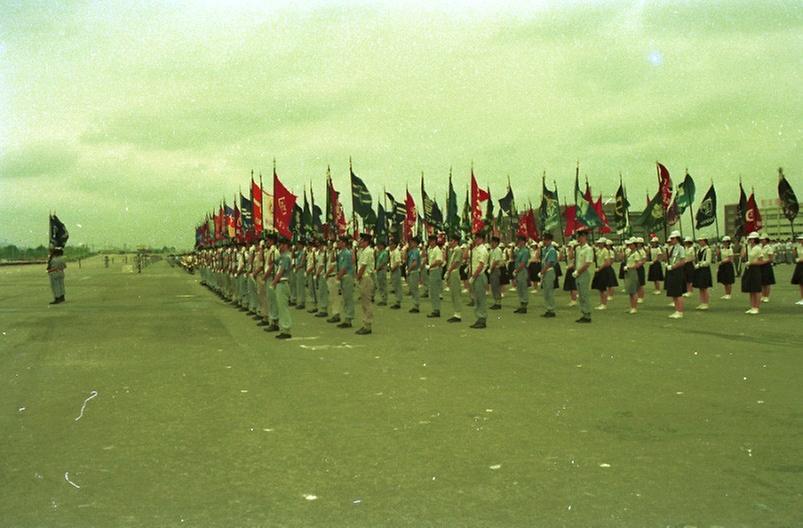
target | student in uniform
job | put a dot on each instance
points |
(280, 285)
(271, 261)
(656, 272)
(521, 273)
(333, 283)
(497, 260)
(569, 282)
(751, 277)
(300, 276)
(309, 273)
(478, 280)
(797, 275)
(726, 274)
(55, 272)
(382, 260)
(583, 262)
(414, 273)
(609, 271)
(675, 274)
(365, 280)
(395, 273)
(435, 273)
(320, 279)
(633, 262)
(345, 275)
(601, 281)
(702, 272)
(767, 271)
(453, 277)
(642, 276)
(262, 290)
(688, 268)
(549, 260)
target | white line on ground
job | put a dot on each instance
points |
(91, 395)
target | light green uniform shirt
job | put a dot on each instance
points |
(366, 258)
(583, 254)
(479, 254)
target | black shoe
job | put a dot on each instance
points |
(283, 336)
(321, 314)
(434, 314)
(300, 307)
(495, 307)
(314, 310)
(363, 331)
(255, 317)
(470, 303)
(271, 328)
(333, 319)
(395, 307)
(263, 323)
(55, 301)
(414, 310)
(454, 320)
(344, 324)
(583, 320)
(291, 303)
(548, 314)
(382, 303)
(520, 310)
(242, 309)
(478, 324)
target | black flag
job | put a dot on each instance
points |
(707, 211)
(58, 232)
(787, 197)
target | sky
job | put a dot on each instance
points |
(132, 120)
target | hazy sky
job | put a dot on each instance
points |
(133, 119)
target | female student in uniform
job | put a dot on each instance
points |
(702, 272)
(633, 261)
(688, 269)
(726, 274)
(767, 271)
(751, 276)
(656, 272)
(569, 284)
(797, 276)
(600, 282)
(612, 282)
(675, 275)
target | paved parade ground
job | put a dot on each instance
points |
(201, 419)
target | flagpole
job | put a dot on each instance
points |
(424, 207)
(716, 216)
(666, 223)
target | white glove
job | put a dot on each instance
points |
(696, 266)
(574, 274)
(627, 268)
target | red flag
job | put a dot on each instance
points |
(238, 225)
(256, 206)
(665, 186)
(411, 216)
(530, 229)
(284, 202)
(752, 216)
(477, 195)
(572, 225)
(598, 208)
(219, 224)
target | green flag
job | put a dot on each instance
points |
(549, 211)
(685, 193)
(361, 200)
(653, 216)
(452, 218)
(787, 197)
(620, 217)
(466, 217)
(585, 212)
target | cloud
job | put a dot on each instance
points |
(37, 160)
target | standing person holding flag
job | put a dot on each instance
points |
(790, 209)
(55, 262)
(751, 278)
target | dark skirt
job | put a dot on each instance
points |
(641, 276)
(797, 276)
(767, 275)
(688, 272)
(675, 283)
(751, 279)
(600, 280)
(726, 273)
(504, 275)
(612, 282)
(702, 278)
(534, 269)
(558, 271)
(464, 272)
(569, 282)
(622, 270)
(656, 272)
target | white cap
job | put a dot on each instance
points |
(630, 241)
(726, 238)
(702, 237)
(601, 240)
(654, 239)
(674, 234)
(574, 242)
(764, 236)
(687, 240)
(800, 236)
(753, 235)
(639, 240)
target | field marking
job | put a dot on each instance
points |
(67, 478)
(91, 395)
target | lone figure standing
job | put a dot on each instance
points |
(55, 270)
